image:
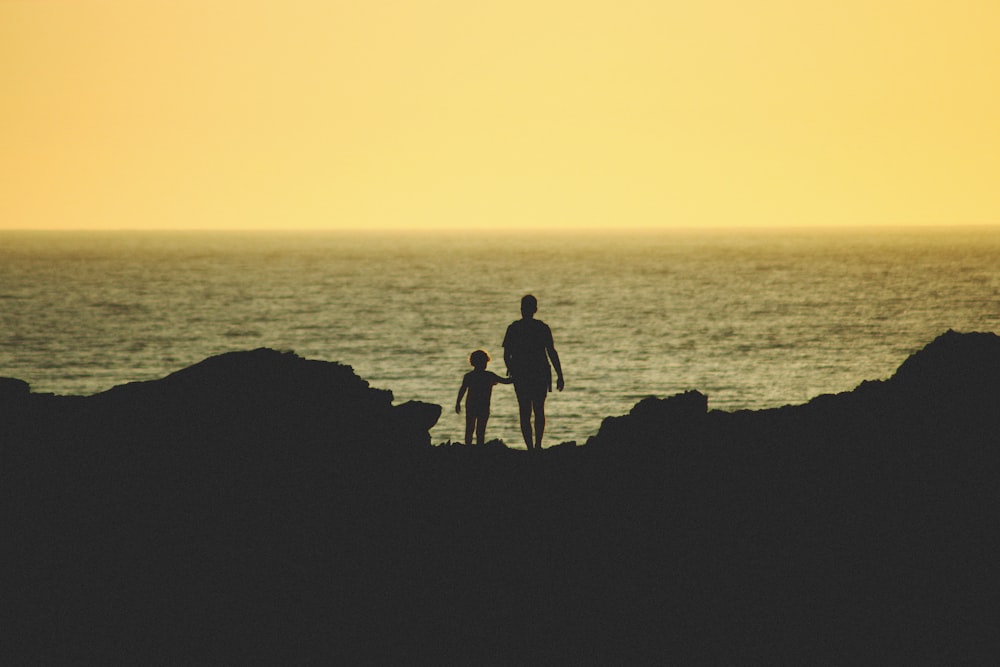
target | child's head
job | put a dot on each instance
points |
(479, 359)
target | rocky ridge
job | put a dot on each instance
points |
(260, 507)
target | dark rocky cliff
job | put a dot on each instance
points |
(258, 507)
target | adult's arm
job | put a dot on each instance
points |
(554, 356)
(507, 355)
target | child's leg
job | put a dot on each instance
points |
(470, 425)
(481, 429)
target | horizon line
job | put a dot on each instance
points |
(534, 231)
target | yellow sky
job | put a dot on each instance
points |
(336, 114)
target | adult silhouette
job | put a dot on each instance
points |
(527, 349)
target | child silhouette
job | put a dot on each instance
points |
(479, 383)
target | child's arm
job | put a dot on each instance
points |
(502, 380)
(461, 393)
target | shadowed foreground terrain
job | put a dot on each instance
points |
(259, 507)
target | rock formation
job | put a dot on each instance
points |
(259, 507)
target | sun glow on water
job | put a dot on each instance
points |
(753, 320)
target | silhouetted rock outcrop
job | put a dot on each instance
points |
(965, 363)
(654, 421)
(12, 389)
(265, 394)
(260, 396)
(259, 507)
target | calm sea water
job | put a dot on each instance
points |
(752, 319)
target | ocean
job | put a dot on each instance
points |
(752, 319)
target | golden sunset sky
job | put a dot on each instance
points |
(569, 114)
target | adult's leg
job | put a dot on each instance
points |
(539, 407)
(524, 410)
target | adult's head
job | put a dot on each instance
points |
(529, 306)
